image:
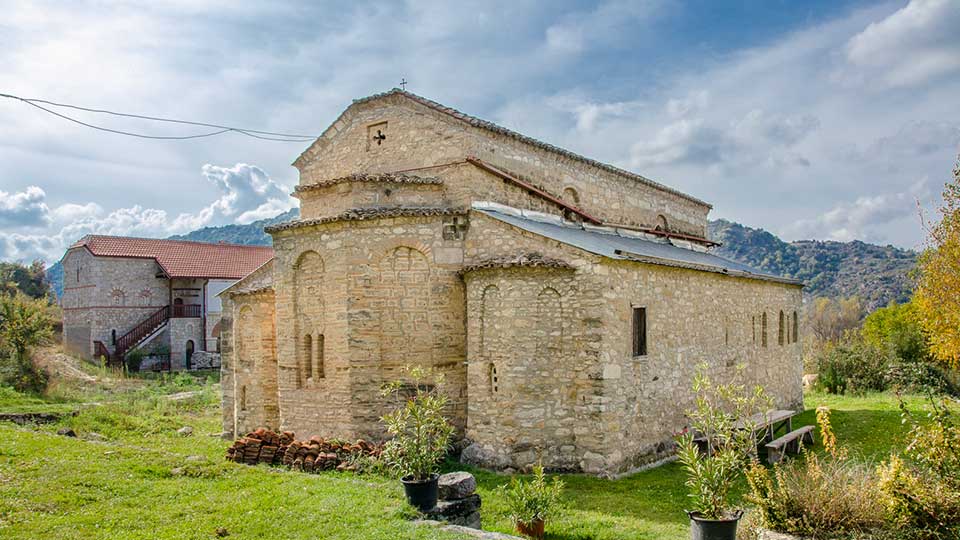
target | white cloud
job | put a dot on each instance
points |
(247, 194)
(70, 212)
(912, 46)
(756, 138)
(24, 208)
(863, 218)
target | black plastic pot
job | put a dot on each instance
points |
(421, 494)
(713, 529)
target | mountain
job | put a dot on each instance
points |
(876, 274)
(250, 234)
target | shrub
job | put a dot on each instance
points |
(421, 434)
(534, 500)
(24, 323)
(921, 490)
(721, 417)
(854, 366)
(825, 497)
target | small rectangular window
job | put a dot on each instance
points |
(639, 331)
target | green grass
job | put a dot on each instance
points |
(138, 483)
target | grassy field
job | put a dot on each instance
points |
(145, 481)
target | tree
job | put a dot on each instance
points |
(829, 319)
(938, 290)
(24, 323)
(30, 280)
(897, 326)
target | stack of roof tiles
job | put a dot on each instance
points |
(313, 455)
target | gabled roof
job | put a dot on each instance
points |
(180, 258)
(625, 245)
(495, 128)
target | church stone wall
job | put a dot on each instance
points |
(418, 137)
(627, 409)
(531, 394)
(337, 198)
(693, 318)
(391, 297)
(250, 384)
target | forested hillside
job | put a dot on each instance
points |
(876, 274)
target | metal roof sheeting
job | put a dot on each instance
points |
(624, 245)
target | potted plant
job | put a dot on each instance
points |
(421, 436)
(724, 422)
(532, 502)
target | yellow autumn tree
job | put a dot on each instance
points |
(938, 289)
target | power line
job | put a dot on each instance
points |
(257, 134)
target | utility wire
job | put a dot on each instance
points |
(264, 135)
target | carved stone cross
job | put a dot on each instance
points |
(379, 137)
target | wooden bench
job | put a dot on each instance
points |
(778, 448)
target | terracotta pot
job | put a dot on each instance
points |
(534, 529)
(421, 494)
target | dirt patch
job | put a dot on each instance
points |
(58, 365)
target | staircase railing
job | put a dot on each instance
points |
(140, 331)
(101, 352)
(182, 311)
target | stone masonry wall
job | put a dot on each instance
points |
(418, 137)
(389, 297)
(693, 318)
(337, 198)
(112, 295)
(633, 405)
(531, 396)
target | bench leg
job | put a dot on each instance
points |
(808, 437)
(774, 455)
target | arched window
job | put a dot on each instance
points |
(320, 368)
(781, 329)
(570, 196)
(796, 327)
(307, 358)
(243, 398)
(113, 336)
(763, 329)
(661, 223)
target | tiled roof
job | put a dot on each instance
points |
(362, 214)
(529, 260)
(392, 178)
(182, 259)
(490, 126)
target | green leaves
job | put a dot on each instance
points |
(421, 433)
(533, 500)
(724, 417)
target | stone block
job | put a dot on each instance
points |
(456, 485)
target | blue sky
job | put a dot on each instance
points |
(818, 119)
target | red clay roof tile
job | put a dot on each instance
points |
(180, 258)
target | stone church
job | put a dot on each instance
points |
(566, 301)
